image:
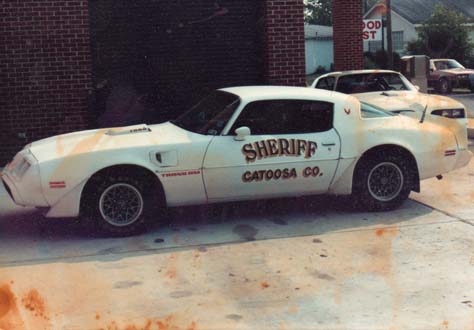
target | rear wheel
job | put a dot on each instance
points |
(382, 182)
(120, 205)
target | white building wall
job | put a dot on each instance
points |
(318, 53)
(398, 24)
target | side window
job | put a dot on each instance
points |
(369, 111)
(326, 83)
(286, 117)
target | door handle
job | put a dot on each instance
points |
(328, 144)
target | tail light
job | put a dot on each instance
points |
(450, 113)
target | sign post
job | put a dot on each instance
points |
(389, 34)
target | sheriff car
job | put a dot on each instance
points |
(239, 143)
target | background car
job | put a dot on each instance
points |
(446, 74)
(363, 81)
(388, 90)
(239, 143)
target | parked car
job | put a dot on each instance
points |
(388, 90)
(446, 74)
(239, 143)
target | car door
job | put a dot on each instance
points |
(292, 149)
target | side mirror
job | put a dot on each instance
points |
(417, 88)
(241, 133)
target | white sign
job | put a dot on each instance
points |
(372, 29)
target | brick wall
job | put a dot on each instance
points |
(45, 70)
(46, 58)
(285, 47)
(348, 44)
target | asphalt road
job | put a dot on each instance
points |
(310, 263)
(467, 99)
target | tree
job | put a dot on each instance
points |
(318, 12)
(443, 35)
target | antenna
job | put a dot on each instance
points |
(424, 113)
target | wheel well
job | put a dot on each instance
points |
(397, 150)
(150, 180)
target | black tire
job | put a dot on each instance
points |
(120, 205)
(443, 86)
(374, 192)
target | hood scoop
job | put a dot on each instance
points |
(389, 94)
(128, 130)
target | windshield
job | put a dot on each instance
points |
(447, 64)
(373, 82)
(209, 116)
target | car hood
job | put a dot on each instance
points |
(407, 100)
(68, 145)
(459, 71)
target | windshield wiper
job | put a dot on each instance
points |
(423, 115)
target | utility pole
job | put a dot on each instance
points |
(389, 34)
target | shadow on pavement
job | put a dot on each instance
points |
(27, 238)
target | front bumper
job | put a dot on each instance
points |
(22, 180)
(8, 190)
(463, 82)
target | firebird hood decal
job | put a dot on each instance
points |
(71, 144)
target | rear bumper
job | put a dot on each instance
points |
(463, 158)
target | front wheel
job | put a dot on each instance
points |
(382, 182)
(119, 206)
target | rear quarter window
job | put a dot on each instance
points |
(369, 111)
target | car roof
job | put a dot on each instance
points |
(351, 72)
(255, 93)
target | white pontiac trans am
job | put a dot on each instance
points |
(385, 89)
(237, 144)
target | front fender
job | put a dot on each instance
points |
(68, 205)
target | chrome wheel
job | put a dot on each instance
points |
(385, 181)
(121, 204)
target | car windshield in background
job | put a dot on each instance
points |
(373, 82)
(209, 116)
(448, 64)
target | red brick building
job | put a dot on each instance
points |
(60, 59)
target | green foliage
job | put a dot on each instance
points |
(321, 70)
(369, 63)
(318, 12)
(379, 60)
(443, 35)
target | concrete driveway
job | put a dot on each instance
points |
(308, 263)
